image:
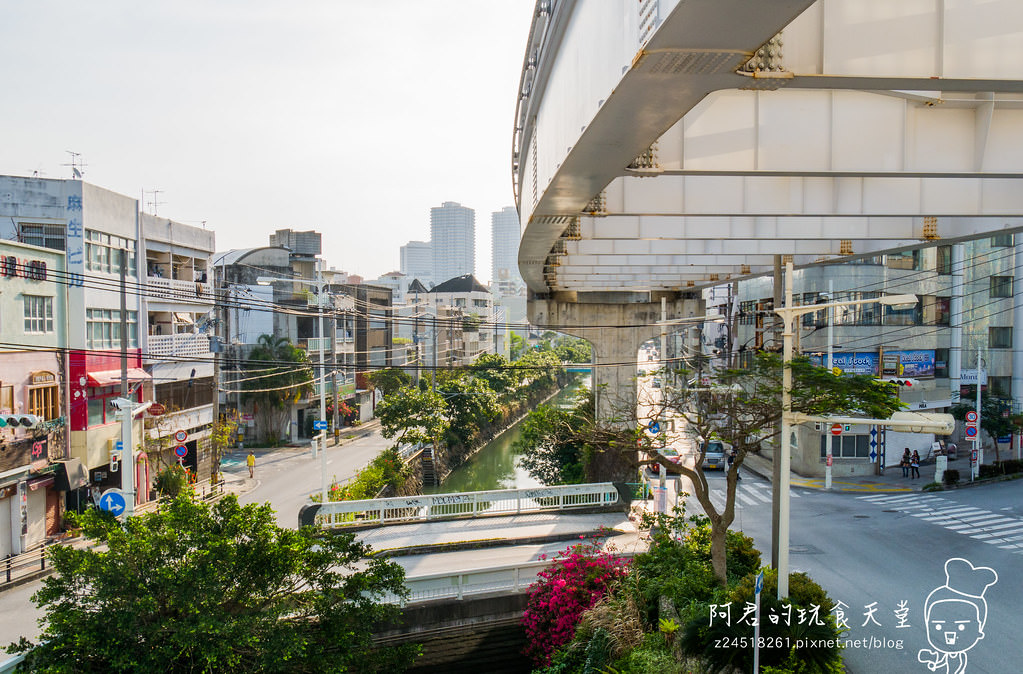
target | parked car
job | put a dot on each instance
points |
(715, 454)
(672, 455)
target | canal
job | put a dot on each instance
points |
(496, 465)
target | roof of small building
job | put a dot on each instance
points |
(466, 283)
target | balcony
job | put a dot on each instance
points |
(165, 425)
(189, 344)
(173, 290)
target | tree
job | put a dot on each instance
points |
(471, 404)
(540, 368)
(220, 587)
(277, 374)
(573, 350)
(493, 368)
(995, 416)
(413, 416)
(551, 445)
(743, 407)
(222, 435)
(389, 380)
(517, 346)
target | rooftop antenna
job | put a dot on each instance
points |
(154, 204)
(76, 165)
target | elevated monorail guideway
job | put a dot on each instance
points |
(661, 146)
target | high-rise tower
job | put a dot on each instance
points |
(453, 237)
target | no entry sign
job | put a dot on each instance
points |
(836, 429)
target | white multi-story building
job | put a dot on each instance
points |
(417, 261)
(453, 240)
(462, 304)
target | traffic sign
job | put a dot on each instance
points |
(113, 501)
(654, 427)
(971, 416)
(971, 432)
(181, 451)
(180, 436)
(836, 429)
(973, 456)
(320, 425)
(830, 459)
(837, 371)
(760, 583)
(119, 445)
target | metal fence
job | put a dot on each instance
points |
(505, 579)
(465, 504)
(29, 563)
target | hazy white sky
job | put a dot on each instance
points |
(349, 117)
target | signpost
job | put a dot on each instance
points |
(320, 425)
(181, 451)
(836, 429)
(113, 501)
(654, 427)
(756, 617)
(180, 436)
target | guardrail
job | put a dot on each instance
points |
(403, 509)
(508, 578)
(27, 563)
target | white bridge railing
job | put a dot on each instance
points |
(504, 579)
(465, 504)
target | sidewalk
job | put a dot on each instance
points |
(890, 481)
(481, 532)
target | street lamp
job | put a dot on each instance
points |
(264, 280)
(788, 314)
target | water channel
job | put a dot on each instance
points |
(496, 465)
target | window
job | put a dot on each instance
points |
(1001, 286)
(103, 328)
(7, 399)
(185, 394)
(747, 311)
(1001, 241)
(941, 363)
(103, 252)
(909, 259)
(943, 263)
(45, 236)
(99, 408)
(1000, 386)
(942, 310)
(846, 446)
(999, 338)
(908, 316)
(38, 314)
(43, 402)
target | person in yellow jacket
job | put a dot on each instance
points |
(251, 463)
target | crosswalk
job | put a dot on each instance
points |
(749, 492)
(993, 528)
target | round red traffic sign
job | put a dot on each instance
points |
(181, 451)
(180, 436)
(971, 416)
(836, 429)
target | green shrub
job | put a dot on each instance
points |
(932, 486)
(988, 470)
(951, 477)
(1010, 466)
(702, 637)
(171, 480)
(654, 656)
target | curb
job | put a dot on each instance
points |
(483, 543)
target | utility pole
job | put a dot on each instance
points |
(433, 370)
(782, 443)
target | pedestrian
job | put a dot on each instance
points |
(906, 460)
(732, 454)
(250, 461)
(914, 463)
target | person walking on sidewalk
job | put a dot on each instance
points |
(906, 459)
(914, 464)
(250, 461)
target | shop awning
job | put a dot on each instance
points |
(38, 482)
(73, 476)
(112, 377)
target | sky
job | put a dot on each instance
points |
(348, 117)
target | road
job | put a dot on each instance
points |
(875, 551)
(286, 477)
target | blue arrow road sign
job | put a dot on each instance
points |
(654, 427)
(320, 425)
(760, 583)
(113, 501)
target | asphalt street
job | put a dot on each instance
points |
(880, 558)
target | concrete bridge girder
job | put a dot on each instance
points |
(615, 330)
